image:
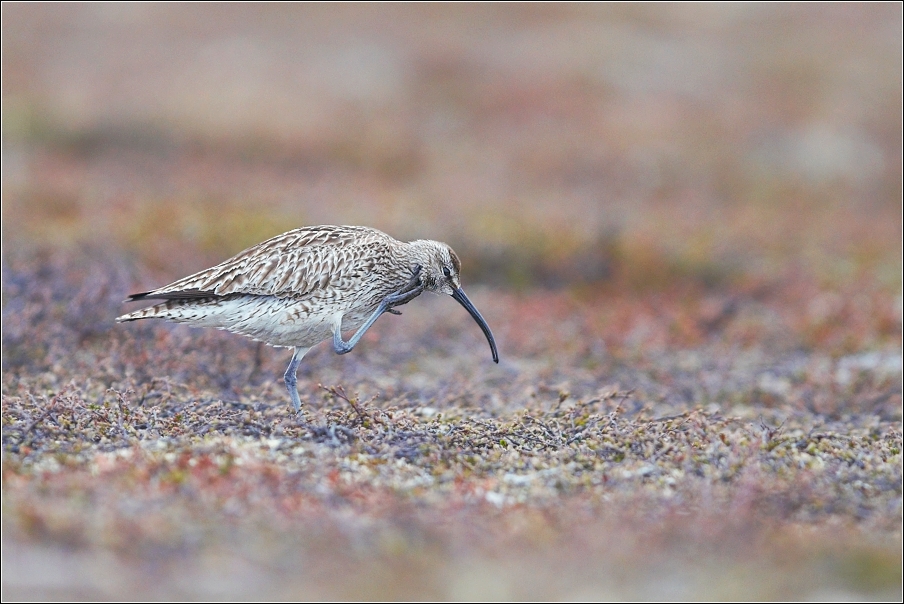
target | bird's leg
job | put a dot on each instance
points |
(412, 290)
(291, 379)
(413, 284)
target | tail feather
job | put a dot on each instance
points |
(185, 294)
(158, 311)
(164, 310)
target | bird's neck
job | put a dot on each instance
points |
(421, 251)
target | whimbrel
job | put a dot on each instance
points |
(309, 284)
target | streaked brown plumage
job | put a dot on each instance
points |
(309, 284)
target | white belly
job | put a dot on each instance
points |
(276, 321)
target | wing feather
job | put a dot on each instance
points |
(293, 264)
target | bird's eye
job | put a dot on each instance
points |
(446, 272)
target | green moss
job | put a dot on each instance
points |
(871, 571)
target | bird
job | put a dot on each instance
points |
(308, 285)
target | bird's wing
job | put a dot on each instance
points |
(289, 265)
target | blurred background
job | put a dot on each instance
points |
(550, 145)
(663, 211)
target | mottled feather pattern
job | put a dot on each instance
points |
(294, 263)
(297, 276)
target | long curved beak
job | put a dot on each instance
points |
(462, 299)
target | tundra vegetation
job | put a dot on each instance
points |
(683, 225)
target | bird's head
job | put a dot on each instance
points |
(440, 271)
(440, 266)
